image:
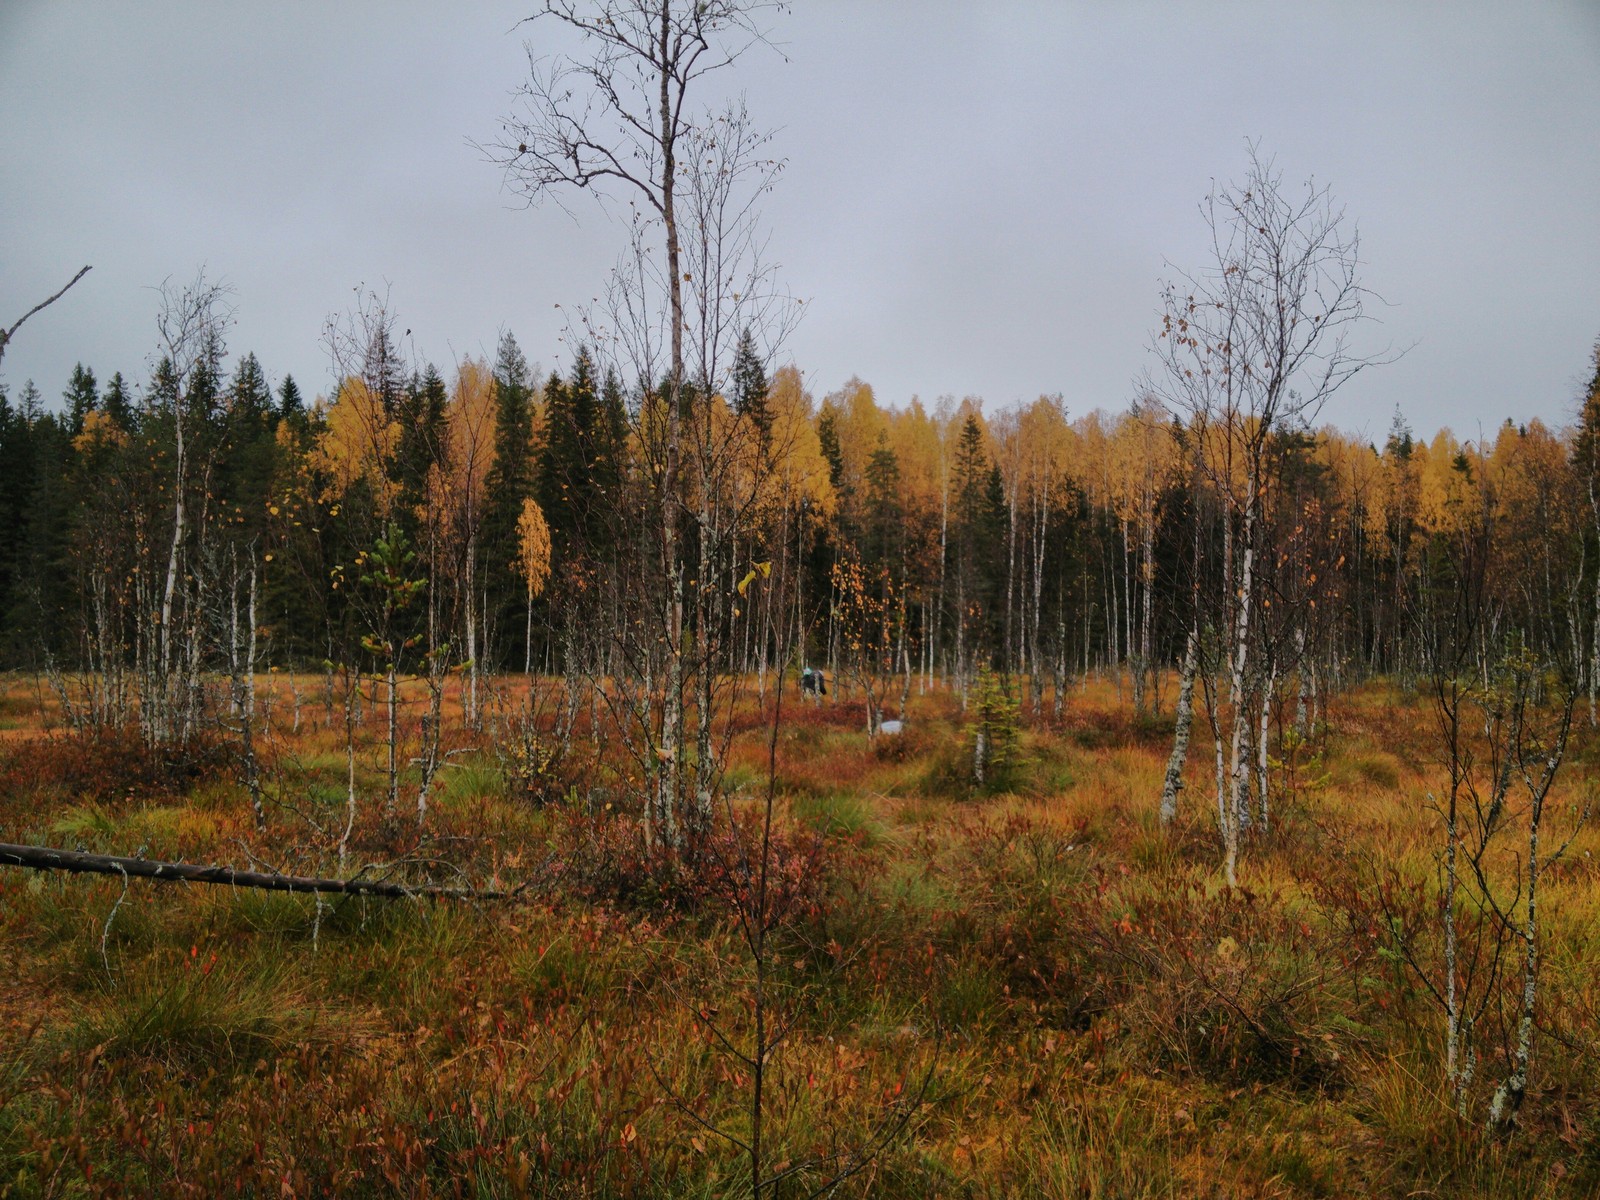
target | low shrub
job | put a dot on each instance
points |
(1237, 986)
(606, 856)
(108, 766)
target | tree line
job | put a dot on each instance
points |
(913, 545)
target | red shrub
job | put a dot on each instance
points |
(106, 766)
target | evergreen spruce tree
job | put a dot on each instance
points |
(1586, 442)
(206, 405)
(249, 453)
(1586, 469)
(885, 532)
(566, 488)
(992, 541)
(384, 371)
(832, 453)
(35, 616)
(1400, 444)
(14, 462)
(291, 407)
(510, 482)
(611, 447)
(117, 404)
(249, 397)
(422, 439)
(82, 397)
(30, 405)
(750, 388)
(969, 527)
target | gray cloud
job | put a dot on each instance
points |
(979, 198)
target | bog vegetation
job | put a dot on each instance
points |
(837, 798)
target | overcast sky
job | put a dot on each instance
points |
(979, 198)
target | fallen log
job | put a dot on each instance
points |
(46, 858)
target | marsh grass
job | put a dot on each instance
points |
(86, 823)
(192, 1013)
(1090, 1010)
(842, 815)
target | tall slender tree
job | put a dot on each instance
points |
(82, 398)
(622, 118)
(1250, 346)
(510, 483)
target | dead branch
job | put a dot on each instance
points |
(7, 334)
(46, 858)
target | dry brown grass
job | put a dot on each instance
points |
(1080, 1005)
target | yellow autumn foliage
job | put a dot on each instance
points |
(533, 547)
(358, 444)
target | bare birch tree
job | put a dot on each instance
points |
(1252, 344)
(620, 121)
(191, 323)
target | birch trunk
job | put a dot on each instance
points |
(392, 679)
(670, 753)
(252, 767)
(1240, 665)
(471, 704)
(1147, 580)
(160, 687)
(1180, 736)
(1263, 734)
(1594, 645)
(708, 614)
(1509, 1095)
(1041, 508)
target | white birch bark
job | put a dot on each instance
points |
(1180, 735)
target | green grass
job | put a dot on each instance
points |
(840, 815)
(192, 1012)
(465, 782)
(89, 824)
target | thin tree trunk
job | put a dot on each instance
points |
(393, 697)
(1041, 505)
(1180, 735)
(252, 768)
(471, 705)
(1240, 665)
(527, 640)
(1173, 783)
(1262, 758)
(1508, 1096)
(669, 767)
(1147, 580)
(1594, 648)
(161, 686)
(1011, 578)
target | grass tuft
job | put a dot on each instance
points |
(193, 1013)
